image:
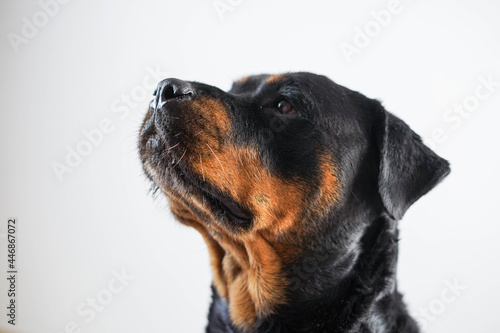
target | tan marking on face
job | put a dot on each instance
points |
(329, 190)
(248, 266)
(242, 80)
(275, 78)
(239, 172)
(207, 121)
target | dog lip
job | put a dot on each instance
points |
(159, 103)
(218, 201)
(228, 206)
(176, 99)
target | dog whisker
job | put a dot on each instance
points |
(355, 196)
(278, 214)
(174, 146)
(215, 156)
(185, 150)
(201, 163)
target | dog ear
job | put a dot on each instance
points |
(408, 169)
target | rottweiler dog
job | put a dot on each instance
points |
(296, 185)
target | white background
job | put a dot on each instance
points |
(75, 71)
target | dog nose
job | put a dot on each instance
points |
(172, 88)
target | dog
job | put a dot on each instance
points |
(297, 185)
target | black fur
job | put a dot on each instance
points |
(345, 278)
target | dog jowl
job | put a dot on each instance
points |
(301, 226)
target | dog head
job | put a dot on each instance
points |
(264, 170)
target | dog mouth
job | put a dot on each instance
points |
(227, 207)
(166, 158)
(221, 205)
(179, 175)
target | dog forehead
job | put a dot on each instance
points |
(260, 82)
(249, 84)
(303, 84)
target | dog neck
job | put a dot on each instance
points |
(332, 290)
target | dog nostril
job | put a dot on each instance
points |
(168, 92)
(173, 88)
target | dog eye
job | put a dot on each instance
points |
(284, 107)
